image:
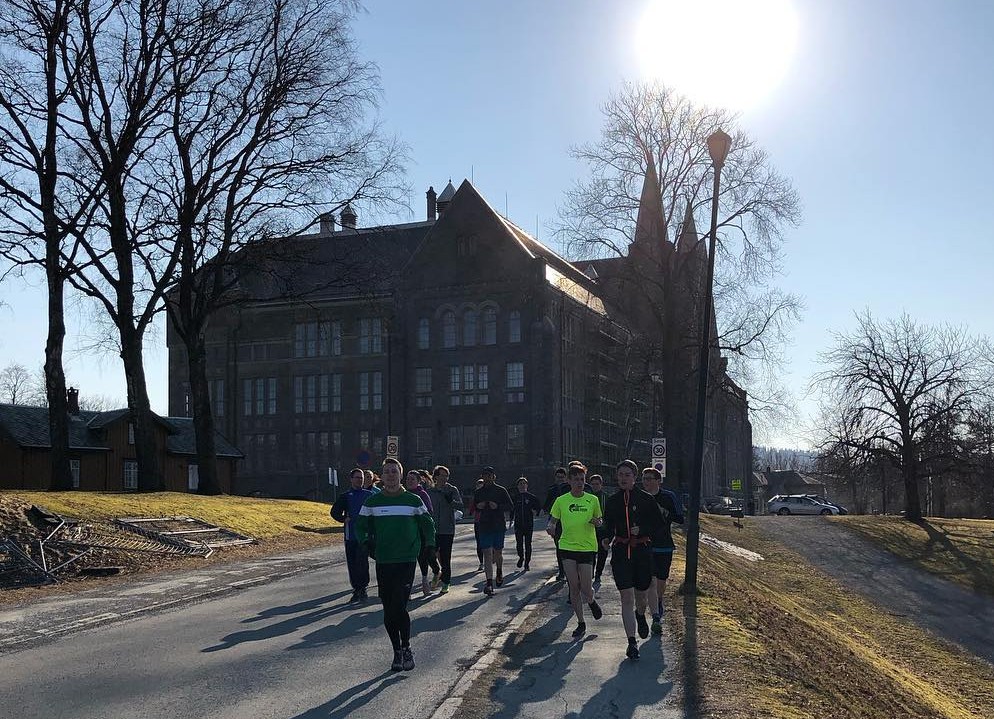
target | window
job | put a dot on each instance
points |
(470, 326)
(323, 393)
(455, 378)
(215, 388)
(489, 326)
(424, 333)
(305, 340)
(271, 395)
(370, 336)
(469, 444)
(482, 376)
(422, 379)
(247, 397)
(298, 394)
(336, 443)
(260, 396)
(311, 393)
(364, 391)
(336, 338)
(131, 432)
(514, 327)
(364, 439)
(370, 390)
(469, 377)
(130, 474)
(378, 446)
(324, 338)
(515, 377)
(336, 393)
(422, 440)
(378, 391)
(74, 471)
(455, 441)
(515, 438)
(298, 449)
(449, 330)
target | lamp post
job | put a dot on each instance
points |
(719, 144)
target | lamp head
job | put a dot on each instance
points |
(719, 143)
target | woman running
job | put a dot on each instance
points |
(413, 484)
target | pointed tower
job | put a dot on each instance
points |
(650, 224)
(689, 238)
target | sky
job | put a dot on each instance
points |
(879, 112)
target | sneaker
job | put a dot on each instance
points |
(643, 625)
(355, 597)
(499, 580)
(633, 651)
(560, 577)
(425, 588)
(436, 579)
(407, 659)
(656, 627)
(398, 661)
(488, 589)
(444, 589)
(595, 610)
(480, 568)
(363, 595)
(580, 630)
(527, 567)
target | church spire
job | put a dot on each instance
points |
(689, 237)
(650, 224)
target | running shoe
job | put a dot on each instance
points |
(633, 651)
(560, 577)
(580, 630)
(527, 567)
(480, 568)
(499, 579)
(425, 587)
(595, 610)
(656, 627)
(363, 595)
(355, 597)
(444, 589)
(407, 659)
(643, 625)
(520, 562)
(488, 589)
(398, 661)
(436, 579)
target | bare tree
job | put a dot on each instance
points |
(842, 433)
(17, 385)
(908, 381)
(651, 129)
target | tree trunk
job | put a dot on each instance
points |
(909, 471)
(883, 489)
(150, 477)
(55, 385)
(203, 416)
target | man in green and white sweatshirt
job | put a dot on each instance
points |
(394, 525)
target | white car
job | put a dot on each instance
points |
(798, 504)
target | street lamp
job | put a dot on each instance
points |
(719, 144)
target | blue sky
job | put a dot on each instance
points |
(882, 121)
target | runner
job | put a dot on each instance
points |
(492, 501)
(577, 515)
(369, 481)
(597, 489)
(413, 484)
(559, 487)
(662, 542)
(631, 517)
(476, 524)
(394, 525)
(346, 510)
(446, 500)
(525, 509)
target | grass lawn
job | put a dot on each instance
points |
(780, 640)
(259, 518)
(960, 550)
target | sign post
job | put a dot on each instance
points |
(659, 455)
(393, 446)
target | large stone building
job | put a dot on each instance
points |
(464, 336)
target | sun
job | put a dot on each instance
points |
(727, 53)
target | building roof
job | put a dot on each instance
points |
(28, 427)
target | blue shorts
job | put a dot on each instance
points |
(492, 540)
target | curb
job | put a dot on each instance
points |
(450, 706)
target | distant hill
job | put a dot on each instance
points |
(782, 458)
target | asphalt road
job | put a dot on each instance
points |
(290, 649)
(945, 609)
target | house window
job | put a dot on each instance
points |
(515, 381)
(271, 395)
(469, 377)
(74, 471)
(515, 438)
(305, 340)
(336, 338)
(424, 333)
(514, 327)
(470, 326)
(130, 474)
(422, 440)
(323, 389)
(449, 330)
(489, 326)
(131, 432)
(260, 396)
(336, 393)
(298, 395)
(482, 376)
(422, 379)
(370, 336)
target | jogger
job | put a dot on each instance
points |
(492, 502)
(346, 510)
(445, 501)
(597, 489)
(662, 542)
(525, 507)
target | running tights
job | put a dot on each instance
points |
(523, 543)
(394, 588)
(445, 555)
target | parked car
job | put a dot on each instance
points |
(798, 504)
(824, 500)
(720, 505)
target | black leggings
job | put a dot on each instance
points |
(424, 564)
(393, 582)
(601, 557)
(445, 555)
(476, 533)
(523, 543)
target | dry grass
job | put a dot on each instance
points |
(779, 640)
(960, 550)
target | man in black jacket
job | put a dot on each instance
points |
(525, 509)
(597, 489)
(492, 502)
(560, 487)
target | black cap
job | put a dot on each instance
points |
(490, 470)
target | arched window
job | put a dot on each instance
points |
(489, 326)
(449, 329)
(424, 334)
(470, 326)
(514, 327)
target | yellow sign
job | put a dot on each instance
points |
(737, 484)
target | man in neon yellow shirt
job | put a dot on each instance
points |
(578, 514)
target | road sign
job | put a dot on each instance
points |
(393, 446)
(332, 476)
(737, 485)
(659, 454)
(660, 466)
(362, 458)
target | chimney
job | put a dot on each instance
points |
(349, 218)
(72, 401)
(327, 221)
(432, 208)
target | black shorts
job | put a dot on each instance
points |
(661, 564)
(634, 571)
(578, 557)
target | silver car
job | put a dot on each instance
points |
(798, 504)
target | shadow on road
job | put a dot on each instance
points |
(296, 608)
(691, 678)
(351, 700)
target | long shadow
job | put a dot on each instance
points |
(287, 626)
(344, 630)
(692, 697)
(623, 695)
(296, 608)
(980, 582)
(351, 700)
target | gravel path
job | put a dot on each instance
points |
(945, 609)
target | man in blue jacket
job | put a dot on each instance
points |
(346, 510)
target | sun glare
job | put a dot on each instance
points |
(728, 53)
